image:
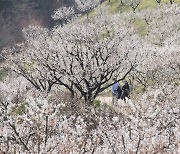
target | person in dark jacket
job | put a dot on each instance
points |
(125, 91)
(116, 91)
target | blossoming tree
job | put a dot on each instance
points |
(82, 56)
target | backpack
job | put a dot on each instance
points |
(119, 92)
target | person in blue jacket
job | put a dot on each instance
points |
(116, 91)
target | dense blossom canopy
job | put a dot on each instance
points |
(48, 105)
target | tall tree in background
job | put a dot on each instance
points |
(85, 5)
(132, 3)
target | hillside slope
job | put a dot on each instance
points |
(15, 14)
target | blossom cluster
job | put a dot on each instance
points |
(50, 124)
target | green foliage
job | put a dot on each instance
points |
(107, 94)
(19, 109)
(28, 66)
(116, 6)
(3, 74)
(177, 82)
(164, 1)
(97, 103)
(147, 4)
(138, 90)
(141, 27)
(108, 33)
(109, 108)
(177, 1)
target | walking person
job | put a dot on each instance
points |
(125, 91)
(116, 91)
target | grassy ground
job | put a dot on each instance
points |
(116, 6)
(141, 27)
(3, 74)
(147, 4)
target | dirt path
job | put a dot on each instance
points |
(121, 106)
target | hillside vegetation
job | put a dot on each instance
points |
(116, 6)
(52, 81)
(16, 14)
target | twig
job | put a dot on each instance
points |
(21, 141)
(124, 146)
(46, 130)
(137, 149)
